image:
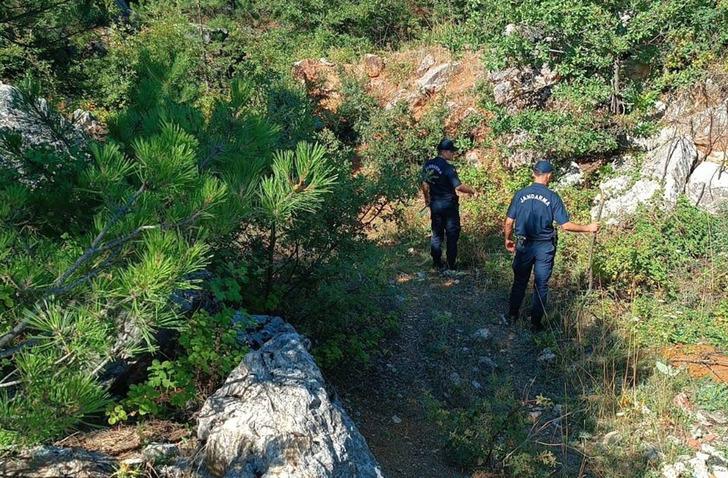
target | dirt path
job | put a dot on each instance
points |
(452, 344)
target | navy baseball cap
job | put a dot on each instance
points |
(543, 167)
(447, 145)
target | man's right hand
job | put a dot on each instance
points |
(510, 246)
(593, 227)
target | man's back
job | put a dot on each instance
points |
(442, 179)
(535, 208)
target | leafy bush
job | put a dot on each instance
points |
(490, 433)
(349, 313)
(711, 395)
(659, 245)
(137, 214)
(558, 134)
(211, 349)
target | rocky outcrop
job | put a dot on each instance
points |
(571, 176)
(708, 187)
(520, 152)
(35, 122)
(52, 462)
(321, 80)
(436, 77)
(274, 418)
(665, 168)
(373, 65)
(688, 155)
(520, 88)
(427, 62)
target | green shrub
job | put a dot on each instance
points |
(491, 433)
(211, 349)
(711, 395)
(658, 246)
(347, 310)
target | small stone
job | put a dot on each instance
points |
(696, 432)
(133, 462)
(455, 378)
(546, 355)
(436, 78)
(373, 64)
(534, 415)
(396, 419)
(156, 452)
(476, 385)
(699, 465)
(652, 454)
(713, 452)
(674, 471)
(472, 158)
(465, 350)
(427, 62)
(703, 419)
(682, 401)
(718, 417)
(482, 335)
(485, 361)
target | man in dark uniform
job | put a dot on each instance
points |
(440, 185)
(534, 210)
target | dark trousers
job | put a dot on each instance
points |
(445, 218)
(539, 257)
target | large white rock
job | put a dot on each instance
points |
(571, 176)
(427, 62)
(35, 122)
(520, 88)
(626, 204)
(436, 77)
(670, 164)
(665, 168)
(274, 418)
(708, 187)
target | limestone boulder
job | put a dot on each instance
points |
(273, 417)
(520, 152)
(427, 62)
(436, 77)
(665, 169)
(373, 65)
(520, 88)
(32, 123)
(52, 462)
(708, 187)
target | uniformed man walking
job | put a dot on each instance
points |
(440, 185)
(534, 210)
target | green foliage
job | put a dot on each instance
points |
(349, 313)
(54, 400)
(490, 433)
(44, 37)
(711, 395)
(211, 349)
(658, 245)
(558, 134)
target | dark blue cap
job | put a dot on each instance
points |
(447, 145)
(543, 167)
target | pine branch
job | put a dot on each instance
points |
(91, 252)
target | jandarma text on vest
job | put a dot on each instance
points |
(536, 197)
